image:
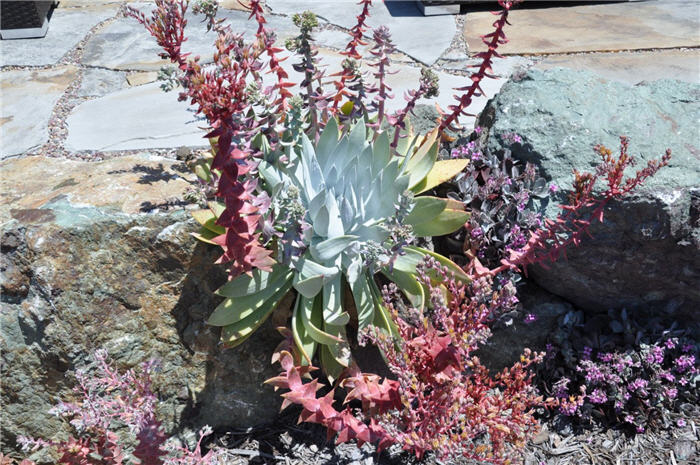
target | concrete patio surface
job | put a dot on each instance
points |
(87, 89)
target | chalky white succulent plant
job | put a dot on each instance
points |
(346, 210)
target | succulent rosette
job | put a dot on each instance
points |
(345, 210)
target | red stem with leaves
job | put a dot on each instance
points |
(492, 41)
(546, 244)
(221, 95)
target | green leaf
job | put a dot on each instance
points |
(408, 284)
(311, 314)
(269, 174)
(216, 207)
(236, 333)
(422, 161)
(331, 248)
(408, 261)
(256, 281)
(442, 171)
(202, 170)
(333, 303)
(364, 303)
(446, 222)
(425, 209)
(207, 218)
(331, 367)
(305, 343)
(206, 236)
(311, 276)
(382, 319)
(234, 310)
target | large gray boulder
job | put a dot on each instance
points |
(646, 255)
(92, 258)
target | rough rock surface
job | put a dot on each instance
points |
(83, 268)
(646, 255)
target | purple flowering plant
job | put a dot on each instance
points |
(504, 198)
(636, 388)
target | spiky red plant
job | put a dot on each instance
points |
(584, 207)
(443, 399)
(492, 40)
(221, 95)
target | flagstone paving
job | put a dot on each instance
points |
(633, 67)
(28, 97)
(96, 68)
(598, 27)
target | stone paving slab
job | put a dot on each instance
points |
(422, 38)
(146, 117)
(28, 98)
(137, 50)
(97, 82)
(136, 118)
(633, 67)
(600, 27)
(68, 26)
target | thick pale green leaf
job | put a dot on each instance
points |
(442, 171)
(330, 366)
(201, 169)
(446, 222)
(381, 153)
(311, 314)
(422, 161)
(340, 352)
(364, 303)
(216, 207)
(382, 319)
(236, 333)
(331, 248)
(233, 310)
(328, 140)
(333, 303)
(305, 343)
(256, 281)
(425, 209)
(207, 219)
(408, 261)
(270, 175)
(311, 276)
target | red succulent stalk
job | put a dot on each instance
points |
(221, 95)
(570, 226)
(492, 41)
(356, 32)
(428, 88)
(267, 39)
